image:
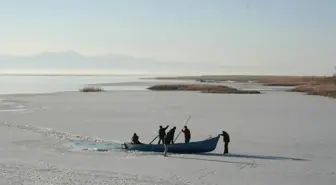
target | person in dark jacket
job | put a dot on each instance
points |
(187, 134)
(172, 132)
(135, 139)
(162, 133)
(169, 136)
(226, 140)
(167, 140)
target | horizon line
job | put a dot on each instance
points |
(62, 51)
(93, 55)
(156, 75)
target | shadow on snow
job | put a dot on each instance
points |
(247, 156)
(210, 160)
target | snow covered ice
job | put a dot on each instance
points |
(276, 138)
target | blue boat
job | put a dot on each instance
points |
(204, 146)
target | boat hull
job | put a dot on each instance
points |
(204, 146)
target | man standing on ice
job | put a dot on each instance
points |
(169, 137)
(162, 133)
(172, 132)
(226, 139)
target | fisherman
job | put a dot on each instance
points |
(187, 134)
(226, 140)
(135, 139)
(172, 132)
(162, 134)
(168, 138)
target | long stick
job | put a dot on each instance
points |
(181, 130)
(154, 139)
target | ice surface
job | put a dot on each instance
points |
(277, 138)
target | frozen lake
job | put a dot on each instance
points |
(27, 84)
(276, 138)
(47, 84)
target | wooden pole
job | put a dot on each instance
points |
(154, 139)
(181, 130)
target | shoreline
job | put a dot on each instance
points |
(35, 94)
(311, 85)
(61, 92)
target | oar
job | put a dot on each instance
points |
(154, 139)
(181, 130)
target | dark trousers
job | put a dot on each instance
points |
(187, 140)
(161, 139)
(226, 147)
(172, 141)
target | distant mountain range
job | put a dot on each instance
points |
(71, 60)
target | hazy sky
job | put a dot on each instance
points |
(232, 32)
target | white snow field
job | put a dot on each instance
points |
(277, 138)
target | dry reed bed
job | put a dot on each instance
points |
(204, 88)
(91, 89)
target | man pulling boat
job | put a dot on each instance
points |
(226, 140)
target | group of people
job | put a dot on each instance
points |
(168, 138)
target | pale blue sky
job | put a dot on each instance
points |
(230, 32)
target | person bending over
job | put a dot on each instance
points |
(135, 139)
